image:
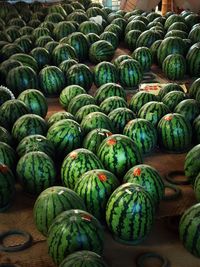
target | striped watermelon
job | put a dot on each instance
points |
(80, 74)
(169, 87)
(50, 46)
(54, 17)
(174, 67)
(8, 50)
(21, 78)
(131, 38)
(172, 99)
(41, 55)
(26, 60)
(36, 172)
(105, 72)
(5, 136)
(143, 133)
(118, 60)
(197, 187)
(92, 38)
(25, 43)
(77, 163)
(66, 64)
(90, 27)
(111, 38)
(189, 108)
(147, 38)
(10, 111)
(40, 31)
(28, 124)
(35, 142)
(111, 103)
(6, 66)
(108, 90)
(95, 188)
(94, 138)
(196, 130)
(81, 258)
(193, 60)
(128, 223)
(96, 120)
(7, 156)
(51, 202)
(114, 29)
(63, 29)
(149, 178)
(79, 101)
(63, 52)
(174, 133)
(85, 110)
(79, 229)
(130, 73)
(191, 165)
(194, 35)
(153, 111)
(194, 88)
(58, 116)
(65, 135)
(173, 18)
(140, 99)
(101, 51)
(119, 153)
(135, 25)
(35, 101)
(43, 40)
(177, 33)
(120, 117)
(7, 187)
(95, 11)
(153, 48)
(188, 229)
(78, 16)
(68, 93)
(5, 94)
(144, 57)
(51, 80)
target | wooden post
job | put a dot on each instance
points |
(167, 5)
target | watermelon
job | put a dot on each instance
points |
(43, 40)
(105, 72)
(85, 110)
(111, 103)
(5, 94)
(108, 90)
(90, 27)
(95, 188)
(63, 52)
(80, 230)
(193, 60)
(77, 163)
(51, 80)
(7, 187)
(135, 25)
(144, 57)
(49, 25)
(79, 101)
(65, 135)
(25, 43)
(128, 223)
(26, 60)
(85, 257)
(191, 165)
(188, 229)
(119, 153)
(194, 88)
(118, 60)
(173, 18)
(130, 73)
(8, 50)
(66, 64)
(131, 39)
(177, 33)
(153, 111)
(40, 31)
(120, 117)
(149, 178)
(196, 130)
(35, 101)
(174, 133)
(95, 11)
(96, 120)
(5, 136)
(92, 38)
(68, 93)
(36, 172)
(41, 55)
(28, 124)
(58, 9)
(169, 88)
(111, 38)
(147, 38)
(153, 48)
(58, 116)
(94, 138)
(172, 99)
(78, 16)
(26, 30)
(189, 108)
(7, 156)
(101, 51)
(192, 19)
(10, 111)
(194, 35)
(13, 32)
(80, 74)
(50, 46)
(174, 67)
(143, 133)
(197, 187)
(54, 17)
(54, 200)
(35, 142)
(6, 66)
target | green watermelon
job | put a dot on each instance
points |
(40, 31)
(85, 110)
(196, 130)
(79, 101)
(26, 60)
(140, 99)
(35, 142)
(68, 93)
(188, 229)
(130, 214)
(169, 87)
(58, 116)
(135, 25)
(172, 99)
(6, 66)
(111, 103)
(192, 19)
(119, 153)
(5, 94)
(25, 43)
(118, 60)
(189, 108)
(85, 257)
(147, 38)
(35, 101)
(51, 202)
(50, 46)
(41, 55)
(43, 40)
(77, 163)
(194, 35)
(63, 52)
(177, 33)
(173, 18)
(111, 38)
(66, 64)
(78, 16)
(197, 187)
(149, 178)
(174, 133)
(90, 27)
(36, 172)
(7, 156)
(65, 135)
(7, 187)
(144, 57)
(174, 67)
(95, 188)
(94, 138)
(105, 72)
(194, 88)
(131, 38)
(193, 60)
(92, 38)
(79, 229)
(101, 51)
(54, 17)
(191, 165)
(153, 48)
(143, 133)
(5, 136)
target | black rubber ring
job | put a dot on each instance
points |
(141, 258)
(16, 248)
(170, 178)
(176, 189)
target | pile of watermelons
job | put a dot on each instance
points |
(85, 163)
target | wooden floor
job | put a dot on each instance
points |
(163, 238)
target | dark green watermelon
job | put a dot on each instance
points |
(5, 94)
(85, 110)
(111, 103)
(193, 60)
(191, 165)
(79, 101)
(140, 99)
(172, 99)
(131, 39)
(63, 52)
(197, 188)
(8, 156)
(147, 38)
(90, 27)
(144, 57)
(111, 38)
(58, 116)
(101, 51)
(194, 88)
(105, 72)
(189, 108)
(174, 67)
(5, 136)
(66, 64)
(118, 60)
(41, 55)
(196, 130)
(169, 87)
